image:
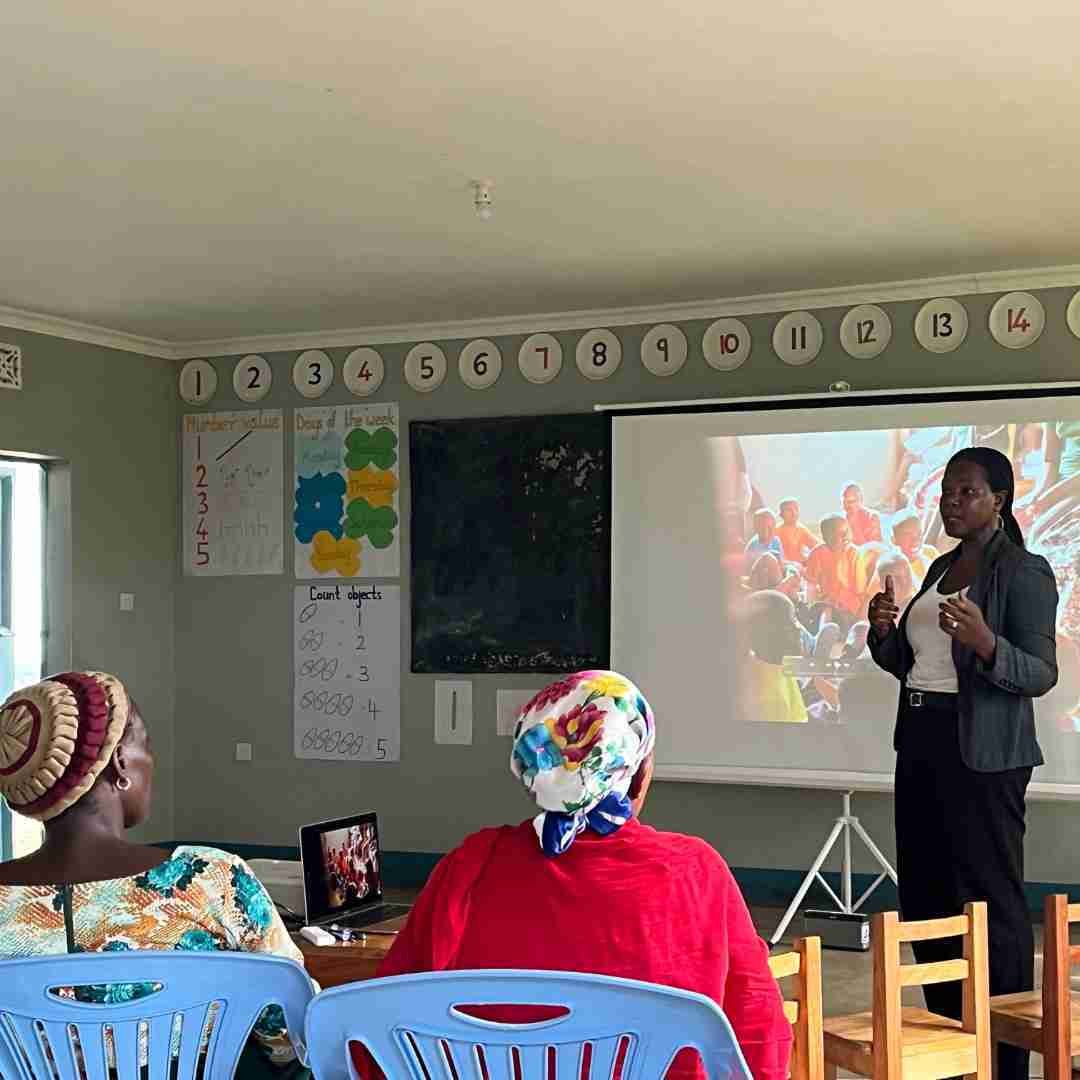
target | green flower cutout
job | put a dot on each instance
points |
(363, 448)
(377, 523)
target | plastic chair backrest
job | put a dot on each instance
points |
(47, 1037)
(413, 1026)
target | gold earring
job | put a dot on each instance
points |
(1000, 523)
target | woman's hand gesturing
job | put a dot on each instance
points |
(883, 611)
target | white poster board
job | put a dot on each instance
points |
(347, 672)
(346, 515)
(233, 484)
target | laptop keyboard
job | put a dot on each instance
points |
(371, 916)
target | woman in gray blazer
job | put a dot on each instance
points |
(972, 650)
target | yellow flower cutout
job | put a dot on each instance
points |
(335, 556)
(374, 485)
(608, 686)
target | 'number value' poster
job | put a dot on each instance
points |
(233, 487)
(347, 659)
(345, 501)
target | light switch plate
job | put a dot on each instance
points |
(453, 712)
(508, 703)
(243, 751)
(127, 601)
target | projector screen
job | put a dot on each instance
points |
(747, 544)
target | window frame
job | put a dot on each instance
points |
(49, 555)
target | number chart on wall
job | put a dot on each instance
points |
(347, 659)
(233, 487)
(345, 510)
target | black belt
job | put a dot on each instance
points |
(929, 699)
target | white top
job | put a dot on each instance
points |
(933, 670)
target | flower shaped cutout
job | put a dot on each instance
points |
(363, 448)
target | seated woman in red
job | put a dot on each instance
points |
(585, 886)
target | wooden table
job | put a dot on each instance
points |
(353, 961)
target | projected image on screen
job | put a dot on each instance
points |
(819, 545)
(803, 529)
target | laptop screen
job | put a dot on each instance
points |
(342, 871)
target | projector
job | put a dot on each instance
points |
(838, 930)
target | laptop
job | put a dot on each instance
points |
(342, 867)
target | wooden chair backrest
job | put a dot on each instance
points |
(890, 976)
(1058, 958)
(804, 1010)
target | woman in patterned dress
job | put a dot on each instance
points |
(75, 754)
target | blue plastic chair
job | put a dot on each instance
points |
(43, 1036)
(413, 1027)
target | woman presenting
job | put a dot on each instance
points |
(971, 651)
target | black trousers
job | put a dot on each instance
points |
(960, 837)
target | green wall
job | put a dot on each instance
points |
(111, 416)
(233, 644)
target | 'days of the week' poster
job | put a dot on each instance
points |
(346, 517)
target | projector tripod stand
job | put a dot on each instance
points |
(846, 823)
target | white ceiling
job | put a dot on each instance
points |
(219, 168)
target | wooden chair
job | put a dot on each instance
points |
(896, 1041)
(1046, 1021)
(804, 1010)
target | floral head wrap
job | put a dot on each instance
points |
(56, 737)
(577, 746)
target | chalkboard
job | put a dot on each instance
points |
(511, 544)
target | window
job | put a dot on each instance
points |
(22, 609)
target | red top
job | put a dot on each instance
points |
(640, 904)
(837, 577)
(865, 526)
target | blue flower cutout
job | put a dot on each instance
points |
(320, 506)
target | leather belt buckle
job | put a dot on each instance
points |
(915, 699)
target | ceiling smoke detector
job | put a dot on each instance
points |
(482, 199)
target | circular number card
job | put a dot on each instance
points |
(941, 325)
(540, 358)
(599, 354)
(313, 373)
(1017, 320)
(663, 350)
(1072, 315)
(425, 367)
(251, 378)
(480, 364)
(865, 331)
(798, 338)
(726, 344)
(363, 371)
(198, 381)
